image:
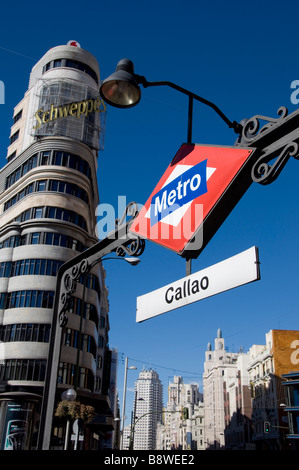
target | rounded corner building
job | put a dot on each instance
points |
(48, 200)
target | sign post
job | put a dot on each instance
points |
(228, 274)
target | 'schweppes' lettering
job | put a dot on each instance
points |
(76, 109)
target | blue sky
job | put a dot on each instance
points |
(243, 58)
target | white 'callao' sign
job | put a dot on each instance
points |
(228, 274)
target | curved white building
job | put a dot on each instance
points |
(48, 199)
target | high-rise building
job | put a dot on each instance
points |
(147, 410)
(48, 200)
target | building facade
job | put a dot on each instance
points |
(227, 401)
(183, 418)
(291, 388)
(268, 364)
(147, 410)
(48, 200)
(244, 394)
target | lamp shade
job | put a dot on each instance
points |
(121, 88)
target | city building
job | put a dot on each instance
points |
(226, 397)
(183, 418)
(291, 387)
(126, 437)
(48, 200)
(147, 410)
(268, 364)
(198, 426)
(244, 394)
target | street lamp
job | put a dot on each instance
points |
(124, 400)
(68, 395)
(133, 419)
(277, 140)
(121, 89)
(131, 260)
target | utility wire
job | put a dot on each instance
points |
(194, 374)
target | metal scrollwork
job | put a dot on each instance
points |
(62, 318)
(131, 211)
(79, 269)
(264, 173)
(134, 247)
(126, 244)
(69, 283)
(251, 127)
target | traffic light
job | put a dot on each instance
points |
(266, 426)
(185, 413)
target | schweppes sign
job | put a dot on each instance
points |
(75, 109)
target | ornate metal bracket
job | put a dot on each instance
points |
(252, 127)
(264, 173)
(277, 141)
(126, 244)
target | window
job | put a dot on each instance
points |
(12, 156)
(46, 238)
(45, 158)
(23, 369)
(27, 298)
(51, 185)
(37, 212)
(35, 238)
(89, 310)
(49, 158)
(25, 332)
(26, 215)
(57, 63)
(41, 185)
(71, 64)
(14, 137)
(17, 117)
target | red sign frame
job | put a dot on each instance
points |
(189, 227)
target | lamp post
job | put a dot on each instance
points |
(121, 89)
(124, 400)
(68, 395)
(134, 417)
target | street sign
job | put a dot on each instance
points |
(198, 190)
(233, 272)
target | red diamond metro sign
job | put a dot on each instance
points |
(198, 190)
